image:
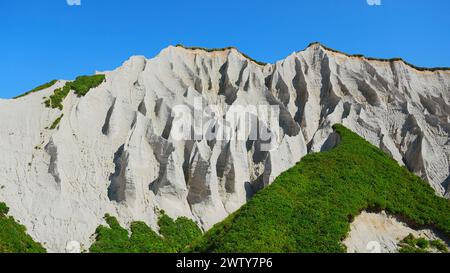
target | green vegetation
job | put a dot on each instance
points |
(144, 240)
(113, 239)
(176, 235)
(3, 209)
(308, 208)
(13, 236)
(410, 249)
(39, 88)
(432, 69)
(422, 243)
(411, 244)
(80, 86)
(409, 240)
(179, 233)
(56, 122)
(56, 99)
(83, 84)
(439, 245)
(222, 49)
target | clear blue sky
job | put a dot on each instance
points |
(48, 39)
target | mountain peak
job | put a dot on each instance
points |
(318, 45)
(224, 50)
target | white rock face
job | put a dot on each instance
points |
(381, 233)
(114, 150)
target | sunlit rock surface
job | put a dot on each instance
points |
(113, 151)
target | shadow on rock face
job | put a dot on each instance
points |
(332, 141)
(116, 190)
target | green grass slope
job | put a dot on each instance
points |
(13, 236)
(309, 207)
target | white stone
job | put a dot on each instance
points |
(113, 152)
(381, 233)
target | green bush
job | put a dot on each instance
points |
(39, 88)
(176, 235)
(56, 99)
(56, 122)
(422, 243)
(179, 233)
(3, 209)
(409, 240)
(410, 249)
(410, 244)
(83, 84)
(80, 86)
(307, 208)
(112, 239)
(144, 240)
(13, 236)
(439, 245)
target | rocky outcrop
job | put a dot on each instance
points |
(372, 232)
(115, 151)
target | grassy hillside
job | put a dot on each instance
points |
(308, 208)
(13, 236)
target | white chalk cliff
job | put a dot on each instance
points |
(113, 152)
